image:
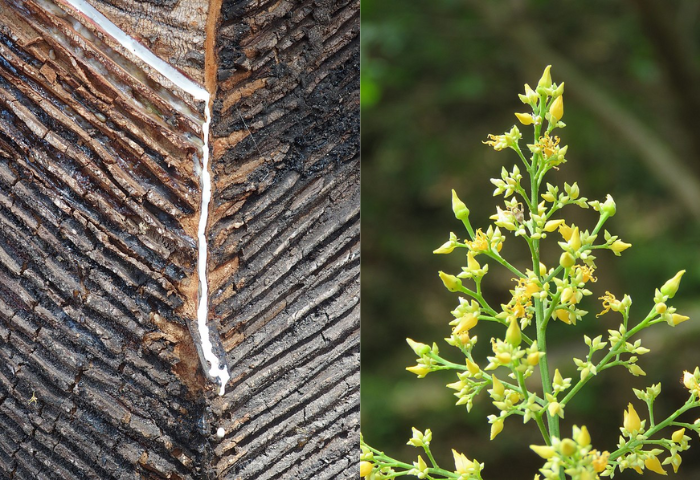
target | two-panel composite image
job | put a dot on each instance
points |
(200, 279)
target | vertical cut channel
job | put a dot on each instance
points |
(217, 370)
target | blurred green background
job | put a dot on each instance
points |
(437, 77)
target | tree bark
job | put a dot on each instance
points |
(99, 203)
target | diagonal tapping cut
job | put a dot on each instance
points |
(215, 368)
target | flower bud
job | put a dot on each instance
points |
(568, 447)
(676, 319)
(653, 464)
(552, 225)
(671, 286)
(557, 108)
(546, 79)
(472, 367)
(631, 422)
(459, 208)
(608, 207)
(575, 240)
(678, 435)
(472, 264)
(496, 427)
(566, 260)
(543, 451)
(365, 469)
(566, 294)
(420, 349)
(525, 118)
(533, 359)
(619, 246)
(498, 388)
(420, 370)
(452, 283)
(513, 335)
(563, 315)
(660, 308)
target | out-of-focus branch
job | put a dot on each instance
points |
(656, 154)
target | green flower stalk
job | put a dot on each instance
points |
(540, 297)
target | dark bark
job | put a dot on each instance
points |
(99, 375)
(285, 237)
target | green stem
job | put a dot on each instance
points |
(629, 446)
(491, 254)
(614, 352)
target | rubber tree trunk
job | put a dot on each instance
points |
(100, 375)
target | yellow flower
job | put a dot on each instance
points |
(653, 464)
(525, 118)
(452, 283)
(546, 79)
(609, 302)
(676, 318)
(631, 422)
(420, 370)
(365, 469)
(496, 427)
(513, 335)
(462, 464)
(671, 286)
(557, 108)
(600, 460)
(459, 208)
(565, 231)
(464, 323)
(552, 225)
(568, 447)
(543, 451)
(575, 240)
(678, 435)
(619, 246)
(583, 438)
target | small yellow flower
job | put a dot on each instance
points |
(619, 246)
(609, 302)
(631, 421)
(676, 318)
(600, 460)
(567, 260)
(365, 469)
(583, 438)
(498, 388)
(464, 323)
(671, 286)
(565, 231)
(568, 447)
(525, 118)
(653, 464)
(678, 435)
(575, 240)
(513, 334)
(496, 427)
(543, 451)
(557, 108)
(462, 464)
(420, 370)
(563, 315)
(552, 225)
(546, 79)
(459, 208)
(452, 283)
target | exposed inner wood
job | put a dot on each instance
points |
(172, 29)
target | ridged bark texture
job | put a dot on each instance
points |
(99, 203)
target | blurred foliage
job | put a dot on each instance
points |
(437, 77)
